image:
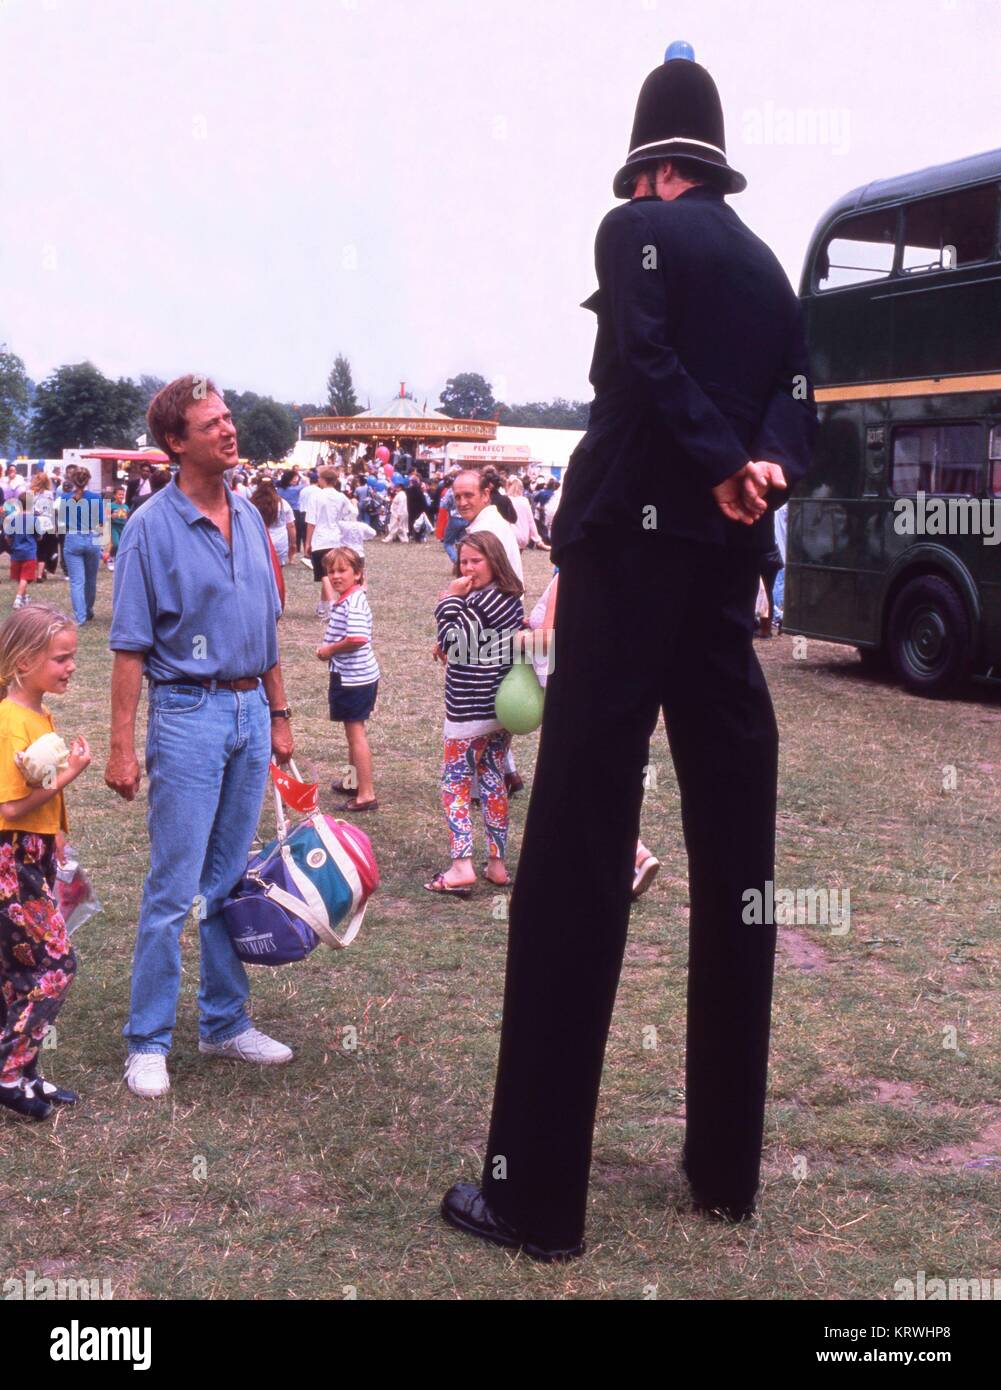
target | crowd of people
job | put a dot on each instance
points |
(204, 637)
(391, 505)
(482, 519)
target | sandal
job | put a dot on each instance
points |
(449, 890)
(355, 805)
(496, 882)
(644, 874)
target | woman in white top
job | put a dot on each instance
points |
(524, 528)
(327, 510)
(46, 540)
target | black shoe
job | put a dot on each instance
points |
(465, 1207)
(56, 1095)
(716, 1209)
(732, 1212)
(45, 1090)
(22, 1103)
(513, 783)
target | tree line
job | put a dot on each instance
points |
(77, 406)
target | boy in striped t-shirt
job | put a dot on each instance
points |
(354, 671)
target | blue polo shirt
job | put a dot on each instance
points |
(192, 604)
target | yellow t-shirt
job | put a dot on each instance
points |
(19, 727)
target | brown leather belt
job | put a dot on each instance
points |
(241, 682)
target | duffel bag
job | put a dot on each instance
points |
(310, 885)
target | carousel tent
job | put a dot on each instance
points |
(402, 420)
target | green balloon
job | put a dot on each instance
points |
(519, 700)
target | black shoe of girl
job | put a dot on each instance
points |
(45, 1090)
(24, 1103)
(56, 1095)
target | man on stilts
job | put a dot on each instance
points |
(702, 419)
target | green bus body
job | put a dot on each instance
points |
(901, 294)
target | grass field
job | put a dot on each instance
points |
(322, 1179)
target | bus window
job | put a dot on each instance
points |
(858, 250)
(943, 459)
(996, 460)
(954, 230)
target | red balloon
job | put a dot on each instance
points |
(382, 453)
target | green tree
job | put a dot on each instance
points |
(468, 396)
(147, 388)
(265, 429)
(302, 411)
(553, 415)
(15, 394)
(341, 399)
(79, 407)
(240, 405)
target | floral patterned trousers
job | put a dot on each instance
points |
(483, 756)
(37, 963)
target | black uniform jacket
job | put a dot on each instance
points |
(699, 365)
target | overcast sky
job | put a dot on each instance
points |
(247, 187)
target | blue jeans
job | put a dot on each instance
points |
(207, 756)
(82, 553)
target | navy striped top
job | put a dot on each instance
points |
(475, 635)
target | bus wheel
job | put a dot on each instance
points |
(929, 636)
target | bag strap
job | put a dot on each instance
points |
(349, 871)
(281, 820)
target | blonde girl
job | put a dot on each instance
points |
(37, 964)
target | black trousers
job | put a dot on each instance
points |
(644, 624)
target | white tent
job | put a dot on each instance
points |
(549, 448)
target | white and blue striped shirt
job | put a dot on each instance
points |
(352, 617)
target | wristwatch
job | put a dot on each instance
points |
(285, 713)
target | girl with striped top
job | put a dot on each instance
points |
(354, 671)
(477, 617)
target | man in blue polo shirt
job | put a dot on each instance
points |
(196, 609)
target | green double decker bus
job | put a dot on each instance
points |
(894, 539)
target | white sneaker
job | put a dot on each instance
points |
(146, 1074)
(249, 1046)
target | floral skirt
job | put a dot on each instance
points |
(37, 963)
